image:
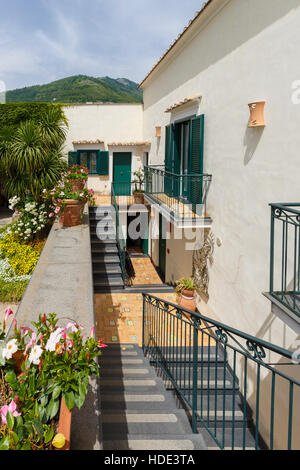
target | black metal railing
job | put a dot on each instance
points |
(121, 243)
(223, 374)
(285, 255)
(184, 195)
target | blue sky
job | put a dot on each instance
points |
(44, 40)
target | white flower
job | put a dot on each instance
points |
(11, 348)
(35, 354)
(55, 337)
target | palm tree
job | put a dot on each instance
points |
(31, 157)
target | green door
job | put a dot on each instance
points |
(122, 173)
(162, 247)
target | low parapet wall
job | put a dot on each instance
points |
(62, 283)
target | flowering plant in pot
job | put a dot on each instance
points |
(77, 176)
(186, 288)
(138, 192)
(69, 204)
(44, 373)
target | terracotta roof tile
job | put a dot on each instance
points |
(94, 142)
(181, 103)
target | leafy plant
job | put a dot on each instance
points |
(77, 173)
(140, 178)
(57, 363)
(31, 156)
(186, 284)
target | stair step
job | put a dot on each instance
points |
(137, 401)
(106, 269)
(104, 249)
(147, 422)
(106, 259)
(126, 371)
(96, 242)
(228, 441)
(211, 385)
(185, 354)
(148, 385)
(109, 281)
(145, 442)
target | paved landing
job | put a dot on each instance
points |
(119, 317)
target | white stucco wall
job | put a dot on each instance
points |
(108, 123)
(247, 51)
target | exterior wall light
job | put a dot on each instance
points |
(257, 110)
(158, 131)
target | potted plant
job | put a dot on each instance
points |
(38, 393)
(186, 288)
(69, 204)
(138, 192)
(77, 177)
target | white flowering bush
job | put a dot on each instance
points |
(35, 216)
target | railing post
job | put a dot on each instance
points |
(143, 336)
(195, 375)
(272, 251)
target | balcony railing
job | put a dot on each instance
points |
(184, 195)
(285, 255)
(241, 389)
(121, 244)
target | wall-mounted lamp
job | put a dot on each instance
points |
(257, 111)
(158, 131)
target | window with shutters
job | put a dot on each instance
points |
(184, 158)
(95, 160)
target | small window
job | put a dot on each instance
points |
(89, 158)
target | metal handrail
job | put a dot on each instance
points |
(202, 358)
(184, 195)
(119, 234)
(285, 255)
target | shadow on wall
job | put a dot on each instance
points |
(252, 138)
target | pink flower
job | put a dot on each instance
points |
(93, 332)
(31, 343)
(91, 191)
(25, 330)
(72, 326)
(15, 324)
(57, 210)
(8, 312)
(12, 408)
(101, 345)
(51, 215)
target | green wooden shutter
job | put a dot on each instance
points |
(73, 158)
(196, 159)
(169, 158)
(176, 160)
(103, 163)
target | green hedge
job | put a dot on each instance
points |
(12, 114)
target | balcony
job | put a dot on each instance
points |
(181, 197)
(285, 258)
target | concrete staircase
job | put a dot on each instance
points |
(220, 402)
(137, 412)
(107, 272)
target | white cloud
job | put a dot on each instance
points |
(94, 37)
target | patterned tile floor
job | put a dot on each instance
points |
(119, 317)
(145, 273)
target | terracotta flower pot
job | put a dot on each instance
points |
(72, 214)
(138, 198)
(187, 300)
(77, 186)
(64, 424)
(19, 359)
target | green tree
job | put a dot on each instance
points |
(31, 157)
